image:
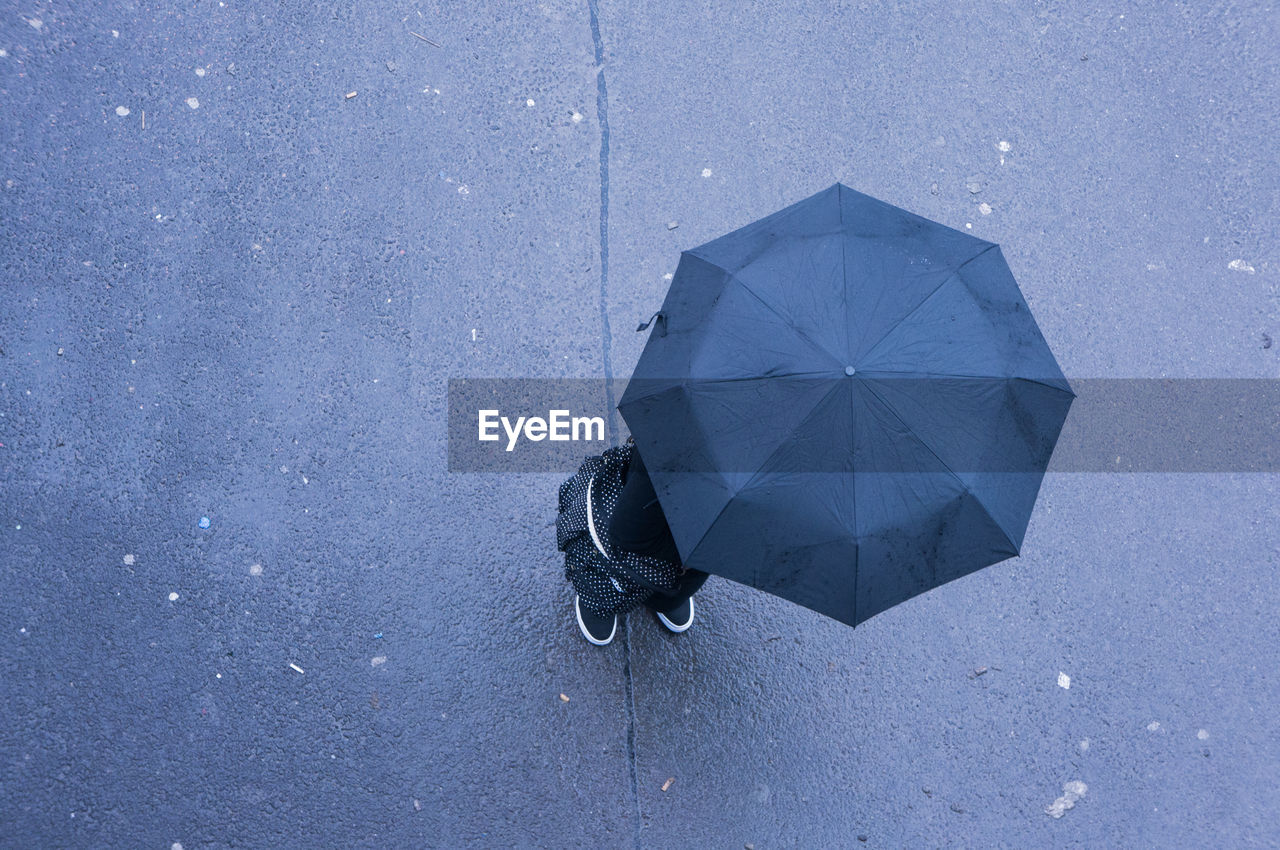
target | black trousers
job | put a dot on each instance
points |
(686, 587)
(639, 525)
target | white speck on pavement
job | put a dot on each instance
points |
(295, 666)
(200, 72)
(1071, 791)
(1003, 146)
(706, 172)
(128, 560)
(255, 570)
(1240, 266)
(1153, 726)
(1203, 734)
(122, 111)
(1064, 681)
(193, 103)
(173, 597)
(984, 208)
(577, 116)
(378, 659)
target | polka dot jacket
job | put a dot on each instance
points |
(610, 580)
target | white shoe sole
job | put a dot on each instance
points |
(672, 626)
(577, 610)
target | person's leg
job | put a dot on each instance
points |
(666, 603)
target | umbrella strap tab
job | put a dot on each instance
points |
(661, 317)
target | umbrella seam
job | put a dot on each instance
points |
(949, 470)
(757, 473)
(953, 276)
(853, 438)
(677, 383)
(733, 278)
(874, 372)
(844, 272)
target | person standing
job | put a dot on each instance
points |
(638, 525)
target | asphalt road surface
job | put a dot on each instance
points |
(231, 291)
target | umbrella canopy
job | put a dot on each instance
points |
(846, 405)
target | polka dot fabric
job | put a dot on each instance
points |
(613, 581)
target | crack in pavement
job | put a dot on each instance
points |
(602, 116)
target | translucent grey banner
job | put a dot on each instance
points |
(873, 423)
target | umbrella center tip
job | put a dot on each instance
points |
(849, 370)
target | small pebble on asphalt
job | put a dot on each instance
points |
(1071, 792)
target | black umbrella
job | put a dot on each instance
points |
(845, 404)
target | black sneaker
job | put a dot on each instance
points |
(679, 619)
(599, 630)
